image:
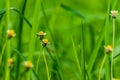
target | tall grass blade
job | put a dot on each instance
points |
(77, 13)
(76, 58)
(2, 12)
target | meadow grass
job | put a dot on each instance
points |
(81, 42)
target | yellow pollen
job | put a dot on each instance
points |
(45, 40)
(11, 32)
(10, 61)
(109, 47)
(28, 64)
(41, 33)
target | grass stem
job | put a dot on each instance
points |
(46, 65)
(113, 45)
(101, 67)
(3, 49)
(38, 60)
(76, 57)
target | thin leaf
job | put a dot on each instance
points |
(76, 57)
(95, 50)
(77, 13)
(14, 9)
(18, 53)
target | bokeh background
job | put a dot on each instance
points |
(88, 23)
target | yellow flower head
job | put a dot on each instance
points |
(41, 34)
(10, 62)
(44, 42)
(108, 48)
(114, 13)
(10, 33)
(28, 64)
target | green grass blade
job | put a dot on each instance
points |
(7, 55)
(35, 74)
(2, 53)
(18, 53)
(20, 29)
(82, 51)
(76, 58)
(21, 15)
(77, 13)
(59, 68)
(26, 20)
(114, 3)
(116, 56)
(95, 50)
(47, 23)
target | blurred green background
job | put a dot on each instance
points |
(63, 19)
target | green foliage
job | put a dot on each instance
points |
(77, 32)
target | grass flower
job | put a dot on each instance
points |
(41, 35)
(108, 48)
(44, 42)
(11, 33)
(114, 13)
(10, 62)
(28, 65)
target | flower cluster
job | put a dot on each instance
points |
(27, 64)
(41, 35)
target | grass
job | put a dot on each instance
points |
(77, 31)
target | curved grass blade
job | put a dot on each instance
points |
(76, 57)
(96, 49)
(116, 56)
(35, 74)
(77, 13)
(14, 9)
(15, 50)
